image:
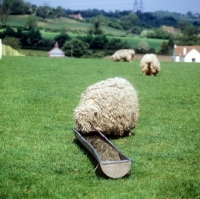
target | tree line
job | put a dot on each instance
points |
(116, 19)
(93, 44)
(87, 46)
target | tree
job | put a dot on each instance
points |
(190, 35)
(101, 18)
(87, 39)
(43, 11)
(31, 22)
(62, 38)
(142, 47)
(128, 21)
(164, 48)
(116, 44)
(183, 24)
(170, 43)
(19, 32)
(136, 30)
(189, 14)
(114, 23)
(33, 8)
(167, 47)
(158, 33)
(96, 28)
(31, 38)
(28, 8)
(168, 20)
(5, 8)
(9, 32)
(99, 42)
(60, 12)
(12, 41)
(75, 48)
(190, 31)
(17, 7)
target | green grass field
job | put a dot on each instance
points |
(38, 53)
(40, 159)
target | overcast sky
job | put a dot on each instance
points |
(180, 6)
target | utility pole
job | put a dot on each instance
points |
(141, 6)
(135, 7)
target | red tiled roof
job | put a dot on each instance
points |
(179, 50)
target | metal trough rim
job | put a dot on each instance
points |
(113, 169)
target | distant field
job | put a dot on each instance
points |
(69, 25)
(48, 35)
(134, 41)
(52, 27)
(39, 157)
(16, 20)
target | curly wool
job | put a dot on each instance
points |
(150, 64)
(109, 106)
(124, 54)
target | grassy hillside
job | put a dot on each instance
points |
(135, 40)
(40, 159)
(52, 27)
(58, 24)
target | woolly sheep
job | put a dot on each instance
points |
(124, 54)
(109, 106)
(150, 65)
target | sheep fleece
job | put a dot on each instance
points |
(124, 54)
(150, 65)
(109, 106)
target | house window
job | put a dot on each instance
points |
(193, 59)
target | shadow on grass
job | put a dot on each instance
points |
(94, 162)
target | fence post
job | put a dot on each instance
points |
(0, 49)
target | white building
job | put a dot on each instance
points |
(186, 54)
(76, 16)
(56, 52)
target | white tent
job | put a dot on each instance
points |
(56, 52)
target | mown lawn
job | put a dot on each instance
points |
(40, 159)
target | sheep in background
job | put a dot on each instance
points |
(124, 54)
(109, 106)
(150, 65)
